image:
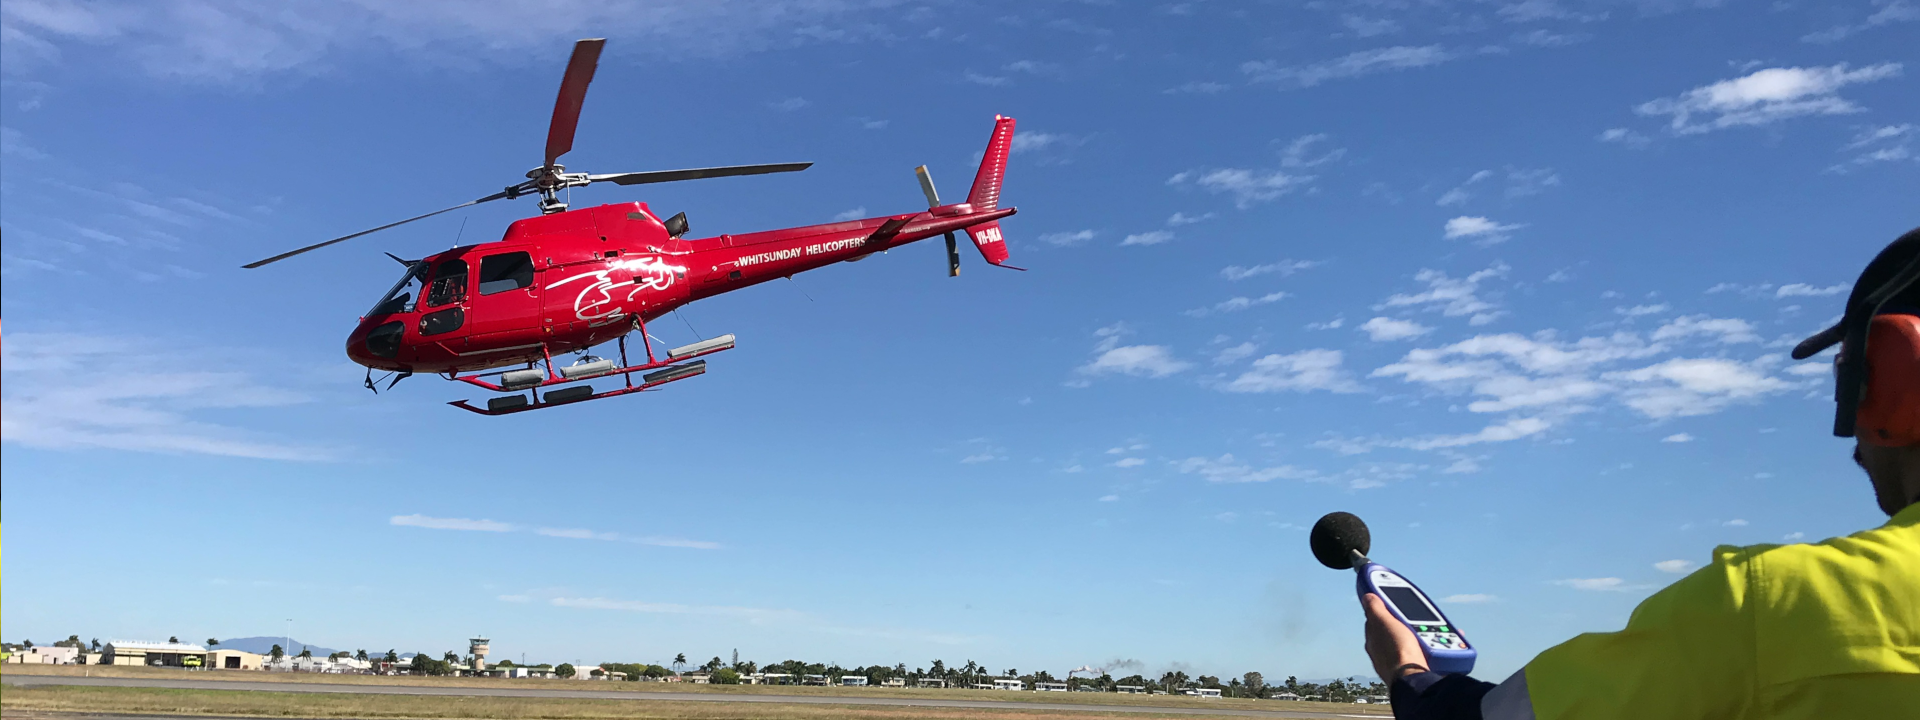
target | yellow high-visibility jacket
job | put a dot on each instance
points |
(1826, 631)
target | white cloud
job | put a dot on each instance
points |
(977, 458)
(514, 598)
(1890, 12)
(1334, 324)
(1234, 354)
(1514, 429)
(1724, 330)
(1624, 136)
(1685, 387)
(1036, 141)
(1109, 498)
(1676, 567)
(1794, 536)
(854, 214)
(1198, 88)
(1304, 371)
(1179, 219)
(237, 43)
(1736, 522)
(1512, 372)
(1304, 152)
(1765, 97)
(1137, 360)
(1369, 27)
(1365, 62)
(1453, 297)
(1805, 290)
(15, 144)
(1152, 237)
(1479, 229)
(1248, 187)
(1677, 438)
(1642, 310)
(1460, 194)
(434, 523)
(1282, 268)
(1470, 599)
(1067, 239)
(1606, 584)
(790, 104)
(1382, 329)
(1129, 462)
(102, 392)
(1225, 469)
(1236, 304)
(980, 79)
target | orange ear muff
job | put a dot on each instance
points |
(1890, 406)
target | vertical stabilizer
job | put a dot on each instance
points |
(993, 167)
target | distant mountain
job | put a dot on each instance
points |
(264, 645)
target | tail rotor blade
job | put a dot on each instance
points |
(953, 256)
(344, 238)
(660, 176)
(933, 201)
(926, 186)
(573, 92)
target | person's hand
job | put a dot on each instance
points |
(1395, 651)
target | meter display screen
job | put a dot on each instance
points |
(1410, 604)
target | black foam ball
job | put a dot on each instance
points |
(1334, 538)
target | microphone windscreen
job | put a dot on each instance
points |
(1334, 538)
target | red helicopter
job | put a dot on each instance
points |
(495, 314)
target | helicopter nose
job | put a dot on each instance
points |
(377, 346)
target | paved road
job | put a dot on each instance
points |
(186, 684)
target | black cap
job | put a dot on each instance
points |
(1900, 255)
(1891, 283)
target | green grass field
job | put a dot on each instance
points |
(282, 704)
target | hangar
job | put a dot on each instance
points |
(125, 652)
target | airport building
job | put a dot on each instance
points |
(234, 660)
(128, 652)
(52, 655)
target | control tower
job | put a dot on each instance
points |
(478, 648)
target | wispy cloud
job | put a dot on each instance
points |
(1282, 268)
(1151, 237)
(439, 523)
(1453, 297)
(1605, 584)
(1675, 566)
(1765, 97)
(1112, 358)
(1068, 238)
(1236, 304)
(1303, 371)
(1247, 187)
(1887, 12)
(1479, 229)
(1383, 329)
(100, 392)
(1365, 62)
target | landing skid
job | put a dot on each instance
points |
(655, 372)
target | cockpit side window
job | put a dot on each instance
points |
(449, 283)
(506, 271)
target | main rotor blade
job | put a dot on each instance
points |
(660, 176)
(573, 92)
(285, 255)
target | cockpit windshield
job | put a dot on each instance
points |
(399, 299)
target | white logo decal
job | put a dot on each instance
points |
(595, 303)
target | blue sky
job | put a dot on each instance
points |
(1514, 282)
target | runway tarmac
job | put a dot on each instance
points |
(188, 684)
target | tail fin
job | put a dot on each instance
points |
(985, 196)
(993, 167)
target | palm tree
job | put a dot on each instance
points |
(212, 642)
(174, 639)
(679, 663)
